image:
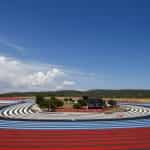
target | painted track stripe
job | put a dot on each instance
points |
(112, 139)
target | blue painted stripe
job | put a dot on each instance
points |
(74, 125)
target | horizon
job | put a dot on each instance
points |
(74, 45)
(74, 90)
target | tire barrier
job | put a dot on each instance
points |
(18, 109)
(24, 110)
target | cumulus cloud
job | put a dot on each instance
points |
(17, 75)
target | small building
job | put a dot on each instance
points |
(93, 103)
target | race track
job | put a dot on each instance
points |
(117, 134)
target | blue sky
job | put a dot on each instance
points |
(104, 44)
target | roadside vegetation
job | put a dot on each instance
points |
(51, 104)
(80, 104)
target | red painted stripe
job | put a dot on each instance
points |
(129, 130)
(115, 139)
(13, 98)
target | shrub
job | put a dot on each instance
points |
(102, 103)
(52, 103)
(82, 102)
(77, 105)
(112, 103)
(66, 100)
(71, 100)
(39, 100)
(58, 103)
(85, 97)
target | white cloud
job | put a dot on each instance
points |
(69, 83)
(16, 75)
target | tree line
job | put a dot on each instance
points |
(91, 93)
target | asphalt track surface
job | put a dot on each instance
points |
(89, 135)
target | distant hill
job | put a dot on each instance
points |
(91, 93)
